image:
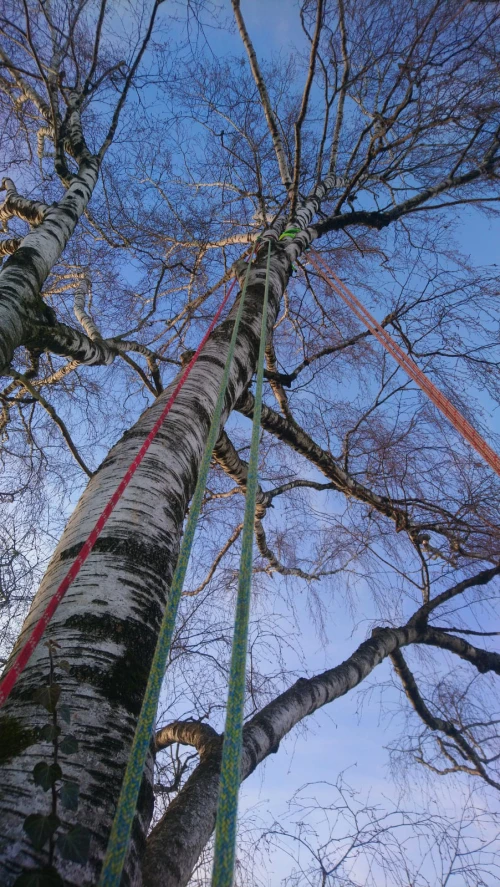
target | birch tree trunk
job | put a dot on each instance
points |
(24, 274)
(106, 626)
(420, 137)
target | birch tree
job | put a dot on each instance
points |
(370, 144)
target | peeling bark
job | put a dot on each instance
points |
(9, 245)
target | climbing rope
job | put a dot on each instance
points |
(226, 822)
(8, 681)
(227, 810)
(405, 361)
(289, 233)
(127, 802)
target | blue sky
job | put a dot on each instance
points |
(339, 737)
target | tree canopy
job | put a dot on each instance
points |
(146, 146)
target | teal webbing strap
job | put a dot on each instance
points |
(227, 810)
(127, 802)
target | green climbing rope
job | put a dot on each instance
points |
(290, 232)
(227, 810)
(127, 802)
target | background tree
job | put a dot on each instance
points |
(384, 121)
(331, 835)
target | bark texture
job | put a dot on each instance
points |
(177, 840)
(24, 274)
(106, 626)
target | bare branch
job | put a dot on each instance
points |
(129, 80)
(483, 660)
(303, 108)
(436, 723)
(53, 415)
(196, 733)
(279, 149)
(481, 578)
(219, 557)
(339, 120)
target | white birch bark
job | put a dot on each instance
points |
(107, 624)
(59, 338)
(270, 116)
(23, 275)
(176, 842)
(31, 211)
(302, 219)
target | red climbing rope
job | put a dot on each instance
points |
(434, 394)
(8, 681)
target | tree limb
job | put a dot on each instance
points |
(53, 415)
(302, 443)
(31, 211)
(177, 840)
(381, 219)
(303, 107)
(481, 659)
(421, 616)
(279, 149)
(201, 736)
(434, 722)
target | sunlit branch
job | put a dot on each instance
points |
(264, 96)
(303, 108)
